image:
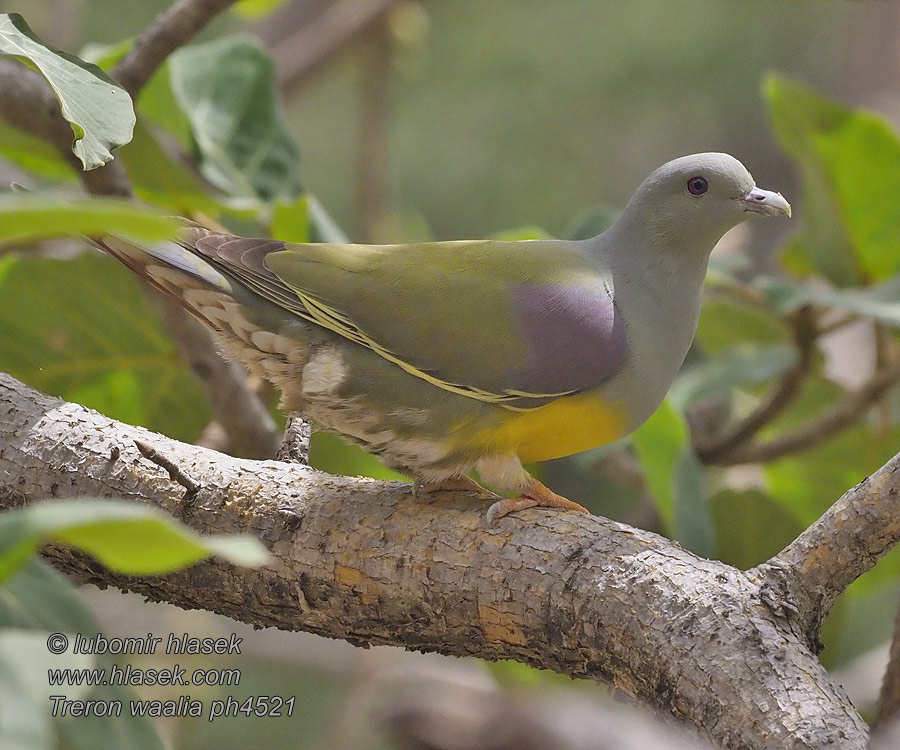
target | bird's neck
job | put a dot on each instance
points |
(657, 286)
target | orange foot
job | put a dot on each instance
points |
(534, 494)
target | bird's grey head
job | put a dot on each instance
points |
(697, 198)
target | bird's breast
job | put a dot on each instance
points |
(568, 425)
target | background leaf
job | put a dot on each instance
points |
(128, 538)
(850, 162)
(98, 109)
(227, 90)
(82, 327)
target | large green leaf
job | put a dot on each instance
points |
(850, 162)
(27, 217)
(126, 537)
(97, 108)
(227, 89)
(81, 329)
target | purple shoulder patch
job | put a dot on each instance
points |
(575, 337)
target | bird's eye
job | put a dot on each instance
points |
(697, 185)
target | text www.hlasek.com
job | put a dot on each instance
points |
(129, 676)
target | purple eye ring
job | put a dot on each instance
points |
(697, 185)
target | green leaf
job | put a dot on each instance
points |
(162, 181)
(750, 527)
(127, 538)
(97, 108)
(850, 162)
(227, 88)
(660, 443)
(807, 483)
(81, 329)
(33, 216)
(724, 322)
(329, 453)
(256, 8)
(740, 366)
(693, 526)
(25, 691)
(33, 155)
(522, 233)
(291, 220)
(37, 597)
(880, 302)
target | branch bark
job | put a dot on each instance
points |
(363, 561)
(172, 29)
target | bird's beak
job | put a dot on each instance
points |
(765, 202)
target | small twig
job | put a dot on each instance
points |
(889, 704)
(818, 430)
(295, 443)
(176, 473)
(719, 448)
(171, 29)
(851, 536)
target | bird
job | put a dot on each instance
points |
(449, 358)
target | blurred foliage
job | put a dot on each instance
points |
(212, 137)
(38, 607)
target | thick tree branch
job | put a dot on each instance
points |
(812, 571)
(172, 29)
(362, 560)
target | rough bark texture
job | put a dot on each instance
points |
(362, 560)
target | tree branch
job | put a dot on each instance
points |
(364, 561)
(808, 575)
(840, 416)
(171, 29)
(718, 450)
(317, 41)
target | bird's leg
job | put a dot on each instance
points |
(533, 495)
(450, 484)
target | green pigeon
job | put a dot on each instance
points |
(447, 357)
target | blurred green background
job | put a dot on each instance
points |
(462, 119)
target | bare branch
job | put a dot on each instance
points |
(316, 42)
(364, 561)
(718, 450)
(295, 443)
(173, 28)
(812, 571)
(817, 431)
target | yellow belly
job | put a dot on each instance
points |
(569, 425)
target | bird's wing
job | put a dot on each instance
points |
(513, 323)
